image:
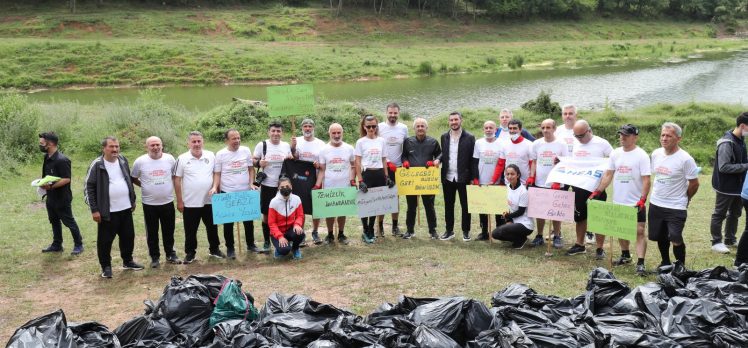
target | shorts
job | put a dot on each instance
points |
(666, 221)
(267, 193)
(641, 215)
(580, 202)
(374, 177)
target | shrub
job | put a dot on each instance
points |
(543, 105)
(516, 61)
(18, 125)
(425, 68)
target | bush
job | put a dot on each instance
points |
(543, 105)
(18, 125)
(516, 61)
(425, 68)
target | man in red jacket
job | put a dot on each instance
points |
(286, 221)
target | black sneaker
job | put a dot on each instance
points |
(77, 250)
(253, 248)
(576, 249)
(447, 235)
(538, 241)
(342, 239)
(408, 235)
(132, 265)
(330, 239)
(730, 242)
(218, 254)
(599, 254)
(230, 253)
(155, 263)
(433, 235)
(106, 272)
(519, 246)
(622, 260)
(303, 243)
(188, 259)
(173, 259)
(466, 236)
(589, 238)
(396, 231)
(641, 270)
(53, 249)
(265, 247)
(315, 238)
(482, 236)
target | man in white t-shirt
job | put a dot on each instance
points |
(675, 180)
(394, 134)
(234, 172)
(502, 130)
(514, 151)
(565, 133)
(152, 172)
(485, 157)
(307, 148)
(193, 180)
(544, 153)
(588, 146)
(630, 171)
(336, 170)
(269, 155)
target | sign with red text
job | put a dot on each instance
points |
(548, 204)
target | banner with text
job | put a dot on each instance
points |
(418, 181)
(550, 204)
(290, 100)
(378, 201)
(236, 206)
(611, 219)
(487, 199)
(582, 173)
(334, 202)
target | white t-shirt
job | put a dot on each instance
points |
(504, 134)
(629, 167)
(670, 183)
(393, 136)
(566, 136)
(371, 152)
(309, 150)
(518, 154)
(275, 156)
(487, 155)
(119, 193)
(595, 148)
(519, 198)
(234, 168)
(544, 154)
(337, 161)
(156, 185)
(197, 177)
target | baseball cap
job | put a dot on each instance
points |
(628, 129)
(307, 121)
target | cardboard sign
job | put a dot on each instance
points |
(334, 202)
(487, 199)
(236, 206)
(290, 100)
(418, 181)
(578, 172)
(550, 204)
(611, 219)
(378, 201)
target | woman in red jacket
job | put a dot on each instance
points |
(286, 220)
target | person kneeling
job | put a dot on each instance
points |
(518, 225)
(286, 220)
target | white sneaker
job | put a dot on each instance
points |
(720, 248)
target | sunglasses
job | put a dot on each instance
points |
(371, 127)
(580, 136)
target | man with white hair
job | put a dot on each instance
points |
(307, 148)
(675, 181)
(485, 157)
(420, 150)
(336, 169)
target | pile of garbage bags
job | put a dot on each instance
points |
(682, 309)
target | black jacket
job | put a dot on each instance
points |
(58, 165)
(417, 153)
(730, 165)
(97, 186)
(464, 157)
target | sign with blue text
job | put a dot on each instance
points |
(236, 206)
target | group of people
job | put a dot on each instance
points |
(507, 155)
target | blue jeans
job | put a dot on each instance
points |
(294, 241)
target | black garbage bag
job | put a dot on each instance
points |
(590, 335)
(548, 335)
(513, 295)
(691, 322)
(49, 330)
(650, 298)
(149, 326)
(725, 337)
(236, 333)
(179, 341)
(719, 273)
(292, 329)
(213, 282)
(93, 334)
(452, 315)
(352, 331)
(279, 303)
(558, 310)
(428, 337)
(522, 315)
(187, 306)
(324, 310)
(731, 293)
(508, 336)
(322, 343)
(604, 291)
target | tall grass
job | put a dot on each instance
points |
(18, 124)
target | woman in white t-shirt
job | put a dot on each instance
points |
(518, 225)
(370, 163)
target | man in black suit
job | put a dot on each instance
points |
(457, 153)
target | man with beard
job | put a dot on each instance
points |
(485, 158)
(336, 169)
(394, 134)
(457, 155)
(420, 150)
(307, 148)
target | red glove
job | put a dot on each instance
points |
(642, 203)
(498, 170)
(555, 186)
(594, 194)
(353, 183)
(316, 187)
(406, 164)
(391, 166)
(429, 164)
(530, 181)
(476, 182)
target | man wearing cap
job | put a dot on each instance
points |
(420, 150)
(336, 170)
(58, 193)
(394, 134)
(630, 171)
(307, 148)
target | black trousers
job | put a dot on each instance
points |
(192, 217)
(428, 205)
(155, 215)
(451, 189)
(60, 213)
(483, 218)
(249, 233)
(742, 254)
(512, 232)
(119, 224)
(294, 241)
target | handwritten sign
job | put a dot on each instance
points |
(550, 204)
(290, 100)
(378, 201)
(418, 181)
(611, 219)
(334, 202)
(487, 199)
(236, 206)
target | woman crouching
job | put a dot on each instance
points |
(518, 225)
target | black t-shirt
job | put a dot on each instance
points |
(303, 176)
(58, 165)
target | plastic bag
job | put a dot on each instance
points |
(187, 306)
(93, 334)
(149, 326)
(691, 322)
(50, 330)
(508, 336)
(236, 333)
(352, 331)
(427, 337)
(513, 295)
(650, 298)
(212, 282)
(279, 303)
(232, 303)
(459, 318)
(604, 291)
(292, 329)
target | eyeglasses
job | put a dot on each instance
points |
(371, 126)
(580, 136)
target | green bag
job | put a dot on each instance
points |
(232, 303)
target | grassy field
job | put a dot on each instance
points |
(358, 277)
(51, 48)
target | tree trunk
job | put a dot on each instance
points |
(72, 6)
